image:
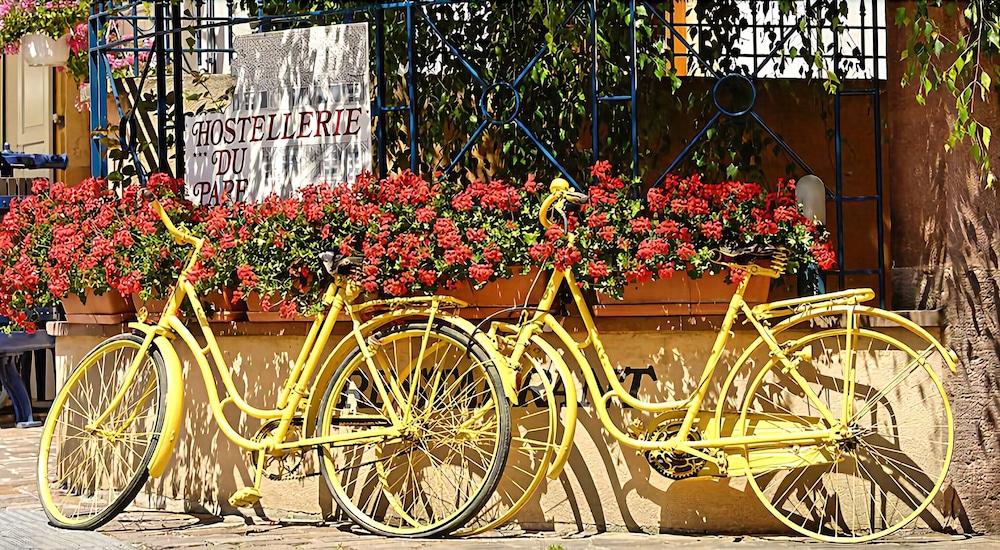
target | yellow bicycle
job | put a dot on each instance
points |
(409, 412)
(844, 433)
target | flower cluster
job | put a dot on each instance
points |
(619, 240)
(499, 221)
(608, 234)
(63, 240)
(416, 236)
(698, 218)
(413, 235)
(54, 18)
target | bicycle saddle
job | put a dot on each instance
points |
(335, 263)
(747, 253)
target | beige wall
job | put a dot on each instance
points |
(604, 486)
(946, 254)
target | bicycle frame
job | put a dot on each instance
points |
(690, 405)
(297, 389)
(710, 448)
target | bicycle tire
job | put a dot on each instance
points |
(870, 457)
(99, 515)
(491, 475)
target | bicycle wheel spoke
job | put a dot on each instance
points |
(450, 449)
(887, 463)
(905, 372)
(89, 476)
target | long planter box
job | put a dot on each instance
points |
(219, 306)
(499, 295)
(679, 295)
(107, 309)
(256, 313)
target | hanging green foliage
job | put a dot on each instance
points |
(953, 47)
(681, 49)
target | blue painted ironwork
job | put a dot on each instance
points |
(168, 21)
(513, 86)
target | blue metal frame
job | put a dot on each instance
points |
(168, 48)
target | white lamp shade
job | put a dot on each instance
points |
(811, 194)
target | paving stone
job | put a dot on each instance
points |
(21, 529)
(154, 529)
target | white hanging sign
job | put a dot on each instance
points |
(301, 114)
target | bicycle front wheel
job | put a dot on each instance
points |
(95, 452)
(442, 390)
(892, 456)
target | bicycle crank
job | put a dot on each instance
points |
(669, 464)
(284, 465)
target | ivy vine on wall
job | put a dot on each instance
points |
(951, 47)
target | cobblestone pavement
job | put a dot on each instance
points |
(22, 526)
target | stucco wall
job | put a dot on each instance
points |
(604, 486)
(945, 249)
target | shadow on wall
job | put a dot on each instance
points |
(207, 467)
(945, 254)
(605, 486)
(971, 301)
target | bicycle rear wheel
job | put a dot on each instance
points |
(88, 472)
(884, 473)
(534, 441)
(448, 397)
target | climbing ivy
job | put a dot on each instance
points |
(498, 38)
(951, 47)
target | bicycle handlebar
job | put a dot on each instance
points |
(180, 235)
(559, 194)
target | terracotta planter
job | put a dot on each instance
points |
(107, 309)
(679, 295)
(222, 306)
(499, 295)
(219, 306)
(256, 314)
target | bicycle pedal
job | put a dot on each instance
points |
(245, 497)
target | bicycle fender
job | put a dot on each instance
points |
(170, 432)
(950, 357)
(569, 428)
(508, 376)
(175, 408)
